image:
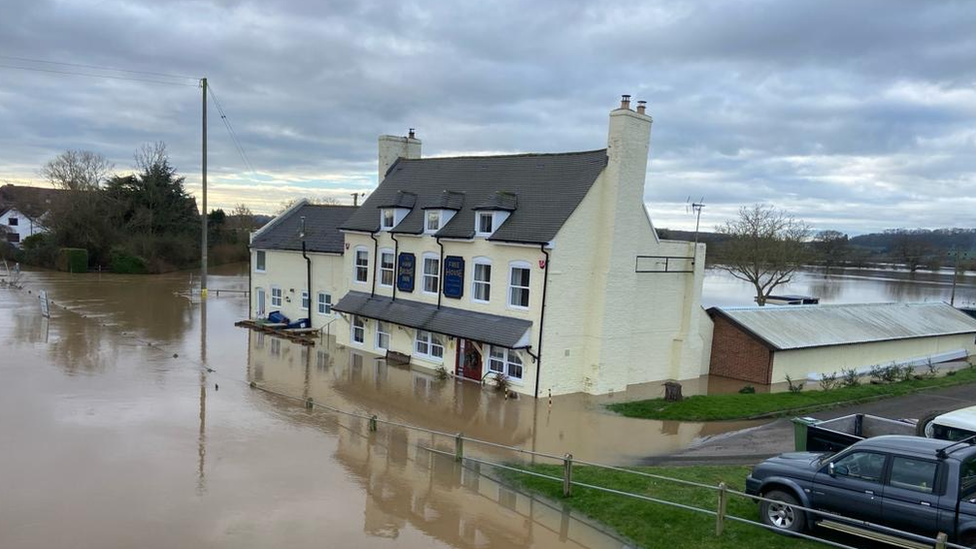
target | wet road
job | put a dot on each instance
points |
(113, 434)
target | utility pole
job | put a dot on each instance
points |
(203, 244)
(955, 275)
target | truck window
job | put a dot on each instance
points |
(967, 477)
(950, 433)
(862, 465)
(913, 474)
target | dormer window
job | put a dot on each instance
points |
(433, 221)
(387, 218)
(486, 224)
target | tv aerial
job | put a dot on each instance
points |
(696, 209)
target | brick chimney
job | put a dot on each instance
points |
(392, 147)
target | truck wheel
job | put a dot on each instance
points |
(922, 428)
(782, 516)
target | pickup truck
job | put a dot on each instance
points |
(912, 484)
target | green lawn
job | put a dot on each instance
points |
(763, 405)
(654, 525)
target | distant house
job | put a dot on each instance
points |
(765, 344)
(23, 210)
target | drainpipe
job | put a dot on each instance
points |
(250, 285)
(396, 263)
(440, 280)
(376, 247)
(542, 319)
(308, 273)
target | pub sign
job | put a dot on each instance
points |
(406, 272)
(453, 276)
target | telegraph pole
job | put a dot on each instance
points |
(203, 244)
(955, 275)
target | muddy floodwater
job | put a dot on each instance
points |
(128, 419)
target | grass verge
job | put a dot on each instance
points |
(654, 525)
(764, 405)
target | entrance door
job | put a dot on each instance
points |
(260, 302)
(469, 361)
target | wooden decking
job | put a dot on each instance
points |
(305, 336)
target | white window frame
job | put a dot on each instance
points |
(425, 275)
(280, 298)
(260, 261)
(508, 360)
(477, 223)
(360, 329)
(475, 282)
(391, 270)
(356, 266)
(327, 302)
(306, 303)
(382, 329)
(511, 288)
(428, 215)
(393, 221)
(427, 340)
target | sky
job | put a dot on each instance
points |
(851, 115)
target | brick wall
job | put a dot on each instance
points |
(738, 355)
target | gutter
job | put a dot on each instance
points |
(542, 319)
(250, 284)
(396, 263)
(440, 279)
(308, 274)
(376, 247)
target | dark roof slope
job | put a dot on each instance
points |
(30, 201)
(547, 188)
(321, 229)
(486, 328)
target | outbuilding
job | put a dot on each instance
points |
(765, 344)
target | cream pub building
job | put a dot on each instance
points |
(545, 268)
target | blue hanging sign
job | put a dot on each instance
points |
(406, 271)
(453, 276)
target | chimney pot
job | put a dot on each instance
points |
(625, 102)
(410, 133)
(641, 107)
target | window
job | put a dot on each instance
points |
(429, 345)
(486, 223)
(943, 432)
(505, 361)
(362, 265)
(862, 465)
(913, 474)
(387, 218)
(304, 300)
(967, 477)
(13, 237)
(259, 263)
(386, 268)
(518, 289)
(275, 296)
(481, 281)
(432, 274)
(433, 221)
(358, 329)
(325, 303)
(382, 335)
(13, 221)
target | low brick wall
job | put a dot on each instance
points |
(738, 355)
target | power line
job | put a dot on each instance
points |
(230, 130)
(28, 60)
(113, 77)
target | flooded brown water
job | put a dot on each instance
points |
(112, 433)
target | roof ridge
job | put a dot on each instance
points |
(827, 305)
(514, 155)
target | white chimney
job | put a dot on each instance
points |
(393, 147)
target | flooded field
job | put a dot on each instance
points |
(113, 433)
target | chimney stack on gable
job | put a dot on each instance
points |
(625, 102)
(641, 107)
(392, 148)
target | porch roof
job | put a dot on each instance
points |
(503, 331)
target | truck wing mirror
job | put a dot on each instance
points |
(831, 470)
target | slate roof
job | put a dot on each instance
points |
(447, 200)
(547, 187)
(804, 326)
(402, 199)
(321, 229)
(491, 329)
(500, 200)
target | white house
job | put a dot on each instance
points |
(545, 268)
(16, 226)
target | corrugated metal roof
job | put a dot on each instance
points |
(486, 328)
(802, 326)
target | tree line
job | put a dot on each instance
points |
(139, 222)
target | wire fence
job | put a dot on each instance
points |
(569, 463)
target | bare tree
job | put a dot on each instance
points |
(910, 247)
(831, 247)
(764, 247)
(323, 201)
(77, 170)
(242, 219)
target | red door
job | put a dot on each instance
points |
(468, 361)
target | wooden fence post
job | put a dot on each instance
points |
(941, 541)
(723, 499)
(372, 423)
(459, 447)
(568, 475)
